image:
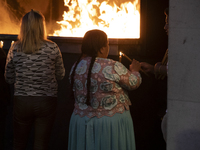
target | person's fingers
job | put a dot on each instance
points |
(135, 61)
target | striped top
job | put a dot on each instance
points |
(35, 74)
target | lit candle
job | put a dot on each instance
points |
(1, 44)
(120, 56)
(12, 43)
(127, 57)
(131, 61)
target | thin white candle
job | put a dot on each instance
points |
(131, 61)
(127, 57)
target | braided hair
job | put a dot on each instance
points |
(93, 41)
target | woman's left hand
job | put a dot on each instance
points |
(135, 66)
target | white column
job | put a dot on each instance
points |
(183, 126)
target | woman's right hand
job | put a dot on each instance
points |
(135, 66)
(147, 67)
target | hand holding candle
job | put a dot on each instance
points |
(134, 62)
(135, 66)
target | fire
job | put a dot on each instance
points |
(117, 21)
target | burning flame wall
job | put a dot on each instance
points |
(72, 18)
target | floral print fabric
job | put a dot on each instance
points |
(109, 81)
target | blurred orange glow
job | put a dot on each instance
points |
(117, 21)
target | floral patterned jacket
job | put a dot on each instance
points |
(109, 81)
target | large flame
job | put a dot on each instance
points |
(117, 21)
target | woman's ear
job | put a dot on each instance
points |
(100, 52)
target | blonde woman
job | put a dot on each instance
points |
(34, 64)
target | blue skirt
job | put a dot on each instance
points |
(106, 133)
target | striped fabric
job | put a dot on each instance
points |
(35, 74)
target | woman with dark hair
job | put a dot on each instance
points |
(101, 119)
(160, 69)
(34, 64)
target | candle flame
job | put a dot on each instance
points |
(120, 53)
(1, 44)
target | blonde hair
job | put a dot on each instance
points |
(32, 32)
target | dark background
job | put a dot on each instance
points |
(148, 101)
